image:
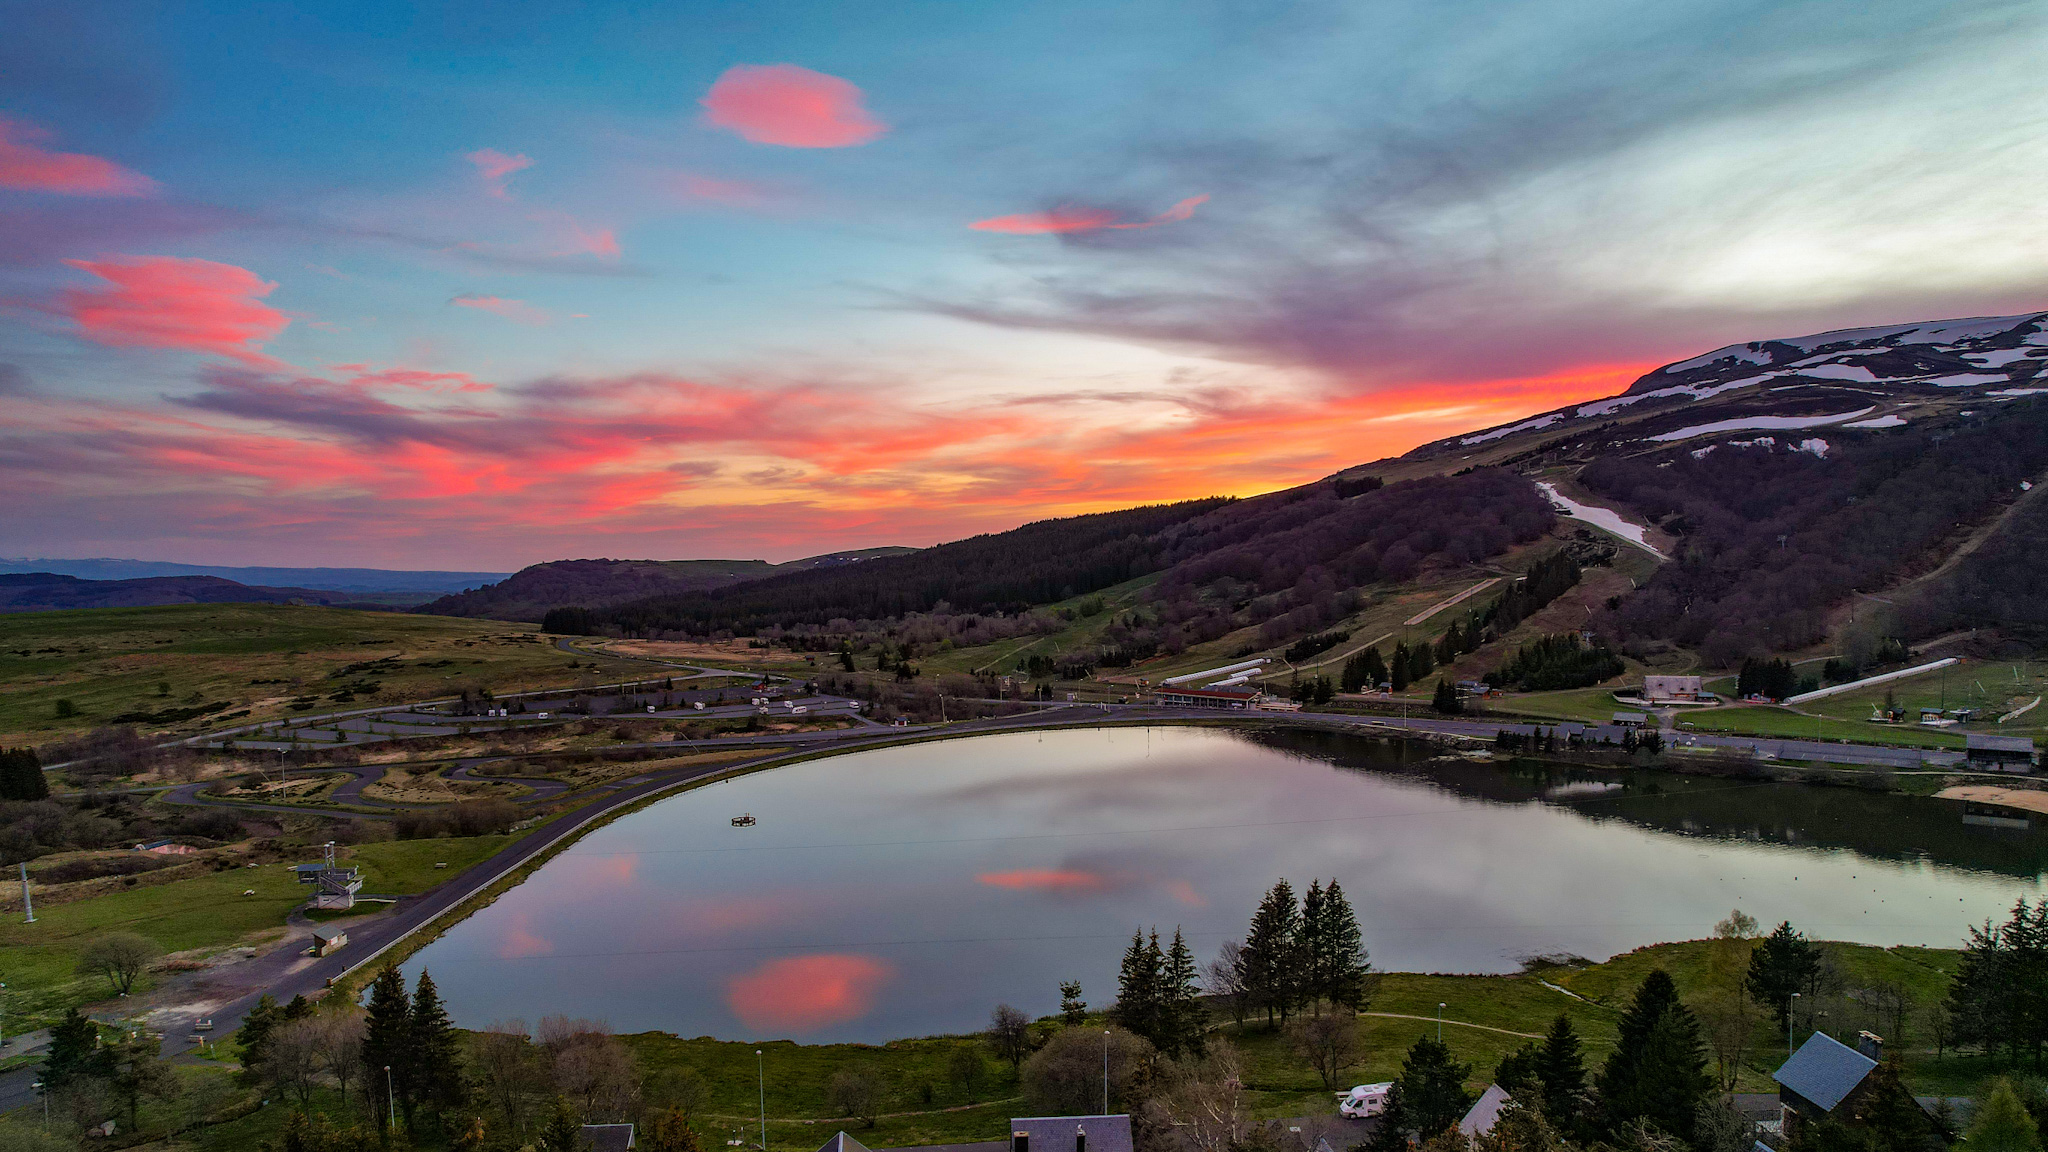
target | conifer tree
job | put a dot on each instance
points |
(1311, 950)
(436, 1049)
(1073, 1009)
(1561, 1065)
(562, 1133)
(1397, 669)
(1140, 998)
(1271, 952)
(1446, 699)
(1786, 962)
(21, 775)
(1375, 668)
(1183, 1015)
(1420, 663)
(2003, 1124)
(1658, 1070)
(75, 1051)
(254, 1038)
(1429, 1097)
(387, 1043)
(1346, 968)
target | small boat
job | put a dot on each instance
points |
(744, 820)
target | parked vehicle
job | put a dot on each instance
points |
(1365, 1100)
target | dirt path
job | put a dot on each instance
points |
(1426, 613)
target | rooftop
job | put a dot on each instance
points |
(1056, 1133)
(1824, 1070)
(1976, 743)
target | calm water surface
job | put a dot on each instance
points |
(906, 891)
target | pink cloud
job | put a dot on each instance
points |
(361, 376)
(521, 941)
(174, 302)
(496, 167)
(732, 193)
(1068, 219)
(594, 241)
(1045, 879)
(517, 311)
(27, 166)
(789, 106)
(1185, 892)
(799, 993)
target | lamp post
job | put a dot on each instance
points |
(761, 1079)
(1439, 1023)
(1105, 1071)
(390, 1101)
(1790, 1010)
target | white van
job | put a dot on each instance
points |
(1365, 1100)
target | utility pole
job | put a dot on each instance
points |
(27, 902)
(761, 1072)
(1439, 1023)
(1105, 1071)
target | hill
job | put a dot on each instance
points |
(50, 592)
(383, 585)
(529, 593)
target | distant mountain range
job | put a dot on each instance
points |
(53, 592)
(383, 585)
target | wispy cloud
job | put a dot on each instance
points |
(1077, 219)
(495, 168)
(27, 166)
(518, 311)
(175, 302)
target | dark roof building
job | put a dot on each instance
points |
(1999, 753)
(842, 1143)
(608, 1137)
(1819, 1078)
(1209, 697)
(1071, 1134)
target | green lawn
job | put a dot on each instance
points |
(1766, 720)
(406, 867)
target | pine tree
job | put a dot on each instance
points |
(1429, 1097)
(1184, 1016)
(75, 1051)
(1270, 952)
(387, 1043)
(254, 1038)
(1139, 989)
(1786, 962)
(21, 775)
(1561, 1066)
(1658, 1070)
(436, 1050)
(1073, 1009)
(562, 1133)
(1420, 663)
(1346, 967)
(1397, 670)
(1310, 948)
(1446, 699)
(2003, 1124)
(1375, 668)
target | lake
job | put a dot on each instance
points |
(906, 891)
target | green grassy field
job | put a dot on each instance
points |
(223, 659)
(1767, 720)
(406, 867)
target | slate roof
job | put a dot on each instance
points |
(841, 1142)
(609, 1137)
(1056, 1133)
(1824, 1071)
(1481, 1119)
(1976, 742)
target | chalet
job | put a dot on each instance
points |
(1999, 753)
(1630, 719)
(1824, 1077)
(607, 1138)
(1239, 698)
(1673, 690)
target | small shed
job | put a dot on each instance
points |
(1999, 753)
(328, 940)
(1631, 719)
(608, 1137)
(1071, 1134)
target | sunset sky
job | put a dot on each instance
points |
(477, 285)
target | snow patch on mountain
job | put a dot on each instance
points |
(1888, 420)
(1746, 423)
(1525, 426)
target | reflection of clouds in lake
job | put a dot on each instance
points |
(1579, 789)
(520, 940)
(800, 993)
(721, 915)
(1045, 880)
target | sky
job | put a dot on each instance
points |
(478, 285)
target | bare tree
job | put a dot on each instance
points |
(1223, 979)
(1940, 1027)
(855, 1092)
(291, 1059)
(340, 1045)
(1009, 1035)
(966, 1068)
(1206, 1106)
(510, 1072)
(598, 1072)
(560, 1032)
(680, 1090)
(121, 957)
(1329, 1044)
(1065, 1078)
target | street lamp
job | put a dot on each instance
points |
(390, 1101)
(1105, 1071)
(1439, 1023)
(761, 1075)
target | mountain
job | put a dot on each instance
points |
(383, 585)
(1844, 492)
(52, 592)
(529, 593)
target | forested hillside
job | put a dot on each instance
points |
(529, 593)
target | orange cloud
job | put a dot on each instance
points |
(732, 193)
(789, 106)
(29, 167)
(1081, 219)
(1185, 892)
(517, 311)
(800, 993)
(174, 302)
(496, 168)
(1045, 879)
